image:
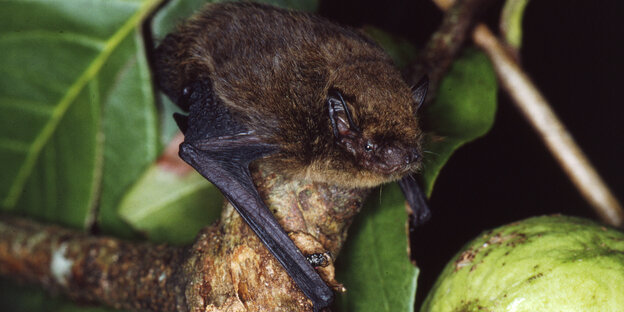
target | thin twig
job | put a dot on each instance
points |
(541, 116)
(556, 137)
(539, 113)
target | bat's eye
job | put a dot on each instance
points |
(369, 147)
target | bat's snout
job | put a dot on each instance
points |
(412, 155)
(394, 159)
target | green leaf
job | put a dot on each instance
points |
(374, 264)
(173, 13)
(400, 50)
(463, 110)
(63, 184)
(168, 207)
(511, 22)
(130, 128)
(56, 76)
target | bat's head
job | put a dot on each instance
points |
(372, 115)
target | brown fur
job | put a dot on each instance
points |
(273, 68)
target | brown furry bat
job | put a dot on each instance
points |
(311, 99)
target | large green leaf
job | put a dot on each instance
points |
(63, 184)
(463, 110)
(374, 265)
(57, 74)
(130, 129)
(168, 207)
(400, 50)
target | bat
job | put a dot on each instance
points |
(308, 98)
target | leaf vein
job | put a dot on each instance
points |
(40, 35)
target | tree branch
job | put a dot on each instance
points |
(88, 268)
(226, 269)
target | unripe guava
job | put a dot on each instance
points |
(550, 263)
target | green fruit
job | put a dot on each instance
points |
(552, 263)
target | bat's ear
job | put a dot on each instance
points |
(419, 91)
(340, 116)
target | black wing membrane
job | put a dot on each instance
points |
(221, 149)
(416, 199)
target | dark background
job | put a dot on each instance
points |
(573, 50)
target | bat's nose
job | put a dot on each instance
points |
(390, 159)
(412, 155)
(396, 159)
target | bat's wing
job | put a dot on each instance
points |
(415, 198)
(220, 149)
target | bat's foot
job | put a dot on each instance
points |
(416, 200)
